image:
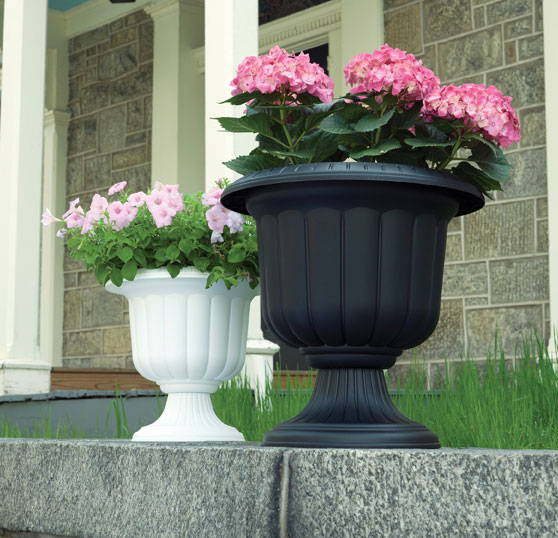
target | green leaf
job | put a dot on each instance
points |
(201, 263)
(129, 270)
(253, 163)
(336, 124)
(173, 269)
(477, 177)
(172, 252)
(116, 276)
(252, 123)
(493, 147)
(233, 125)
(237, 254)
(318, 146)
(370, 123)
(432, 131)
(139, 256)
(160, 254)
(380, 149)
(495, 165)
(102, 273)
(186, 245)
(241, 98)
(125, 254)
(419, 142)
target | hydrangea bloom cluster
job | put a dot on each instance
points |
(218, 216)
(281, 72)
(483, 110)
(390, 71)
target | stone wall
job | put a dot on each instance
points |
(109, 140)
(496, 275)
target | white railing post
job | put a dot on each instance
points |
(22, 369)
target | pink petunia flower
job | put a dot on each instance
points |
(117, 187)
(73, 208)
(121, 215)
(137, 199)
(212, 196)
(48, 218)
(162, 216)
(74, 220)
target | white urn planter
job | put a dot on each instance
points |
(188, 340)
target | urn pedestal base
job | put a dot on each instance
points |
(351, 408)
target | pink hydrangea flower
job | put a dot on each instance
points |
(117, 187)
(212, 196)
(486, 111)
(279, 71)
(137, 199)
(390, 71)
(47, 218)
(121, 215)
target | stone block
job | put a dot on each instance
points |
(135, 118)
(507, 9)
(448, 492)
(77, 63)
(542, 236)
(123, 37)
(89, 39)
(148, 111)
(82, 343)
(97, 172)
(542, 208)
(74, 175)
(531, 47)
(455, 225)
(462, 279)
(533, 126)
(454, 247)
(129, 157)
(510, 52)
(538, 15)
(70, 280)
(138, 178)
(448, 339)
(148, 490)
(71, 264)
(501, 229)
(518, 27)
(137, 17)
(528, 176)
(429, 58)
(472, 53)
(74, 86)
(86, 279)
(95, 362)
(94, 97)
(479, 17)
(136, 139)
(446, 18)
(146, 42)
(476, 301)
(519, 280)
(112, 129)
(524, 82)
(118, 62)
(134, 85)
(72, 309)
(117, 341)
(91, 51)
(511, 324)
(100, 308)
(116, 25)
(401, 28)
(391, 4)
(82, 135)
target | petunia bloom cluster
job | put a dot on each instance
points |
(281, 72)
(218, 216)
(483, 110)
(390, 71)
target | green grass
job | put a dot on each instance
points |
(475, 405)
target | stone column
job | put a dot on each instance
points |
(231, 34)
(22, 369)
(550, 10)
(178, 111)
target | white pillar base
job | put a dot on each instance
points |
(17, 377)
(188, 417)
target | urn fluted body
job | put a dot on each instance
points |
(351, 261)
(188, 340)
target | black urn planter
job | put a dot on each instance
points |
(351, 260)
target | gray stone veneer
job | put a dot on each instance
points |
(109, 140)
(122, 489)
(496, 275)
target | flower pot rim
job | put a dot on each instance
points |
(469, 197)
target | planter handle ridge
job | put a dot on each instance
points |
(351, 260)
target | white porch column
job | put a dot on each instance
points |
(22, 369)
(178, 111)
(231, 34)
(550, 11)
(362, 30)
